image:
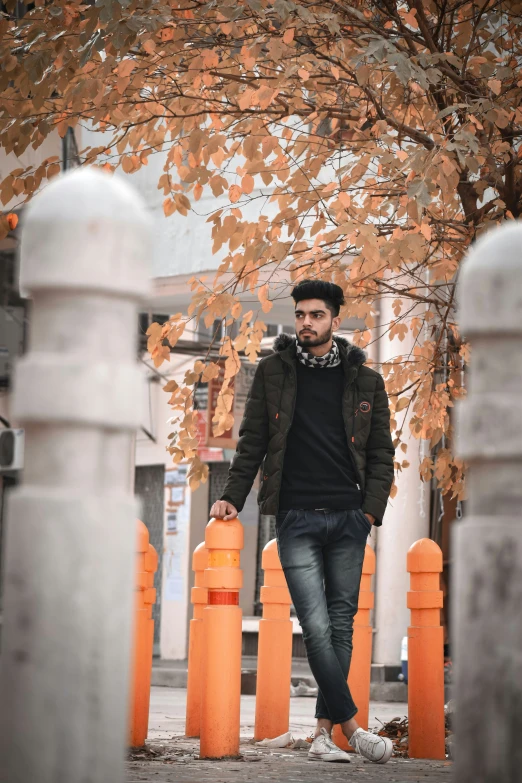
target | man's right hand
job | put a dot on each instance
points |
(222, 509)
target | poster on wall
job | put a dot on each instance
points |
(177, 495)
(176, 476)
(172, 522)
(206, 453)
(214, 387)
(176, 560)
(177, 511)
(241, 384)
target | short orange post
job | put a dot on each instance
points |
(146, 566)
(199, 599)
(274, 658)
(221, 680)
(361, 664)
(425, 653)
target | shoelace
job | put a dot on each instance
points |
(331, 744)
(366, 742)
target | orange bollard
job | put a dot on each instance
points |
(274, 657)
(425, 653)
(361, 664)
(222, 631)
(199, 599)
(146, 566)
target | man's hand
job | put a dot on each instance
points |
(222, 509)
(370, 518)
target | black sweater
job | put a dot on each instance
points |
(318, 470)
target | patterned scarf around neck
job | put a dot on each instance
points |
(330, 359)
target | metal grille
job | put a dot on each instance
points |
(218, 475)
(149, 486)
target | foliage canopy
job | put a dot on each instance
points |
(374, 140)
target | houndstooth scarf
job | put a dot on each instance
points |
(330, 359)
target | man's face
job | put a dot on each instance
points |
(314, 323)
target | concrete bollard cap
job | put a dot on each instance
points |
(424, 556)
(224, 535)
(490, 282)
(87, 230)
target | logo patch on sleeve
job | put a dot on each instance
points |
(365, 407)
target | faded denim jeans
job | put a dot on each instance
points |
(322, 554)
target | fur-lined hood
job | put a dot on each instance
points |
(354, 355)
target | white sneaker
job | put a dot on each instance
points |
(371, 746)
(324, 749)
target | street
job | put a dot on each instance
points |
(170, 757)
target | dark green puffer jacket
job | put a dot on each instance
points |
(268, 417)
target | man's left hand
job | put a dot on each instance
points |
(370, 518)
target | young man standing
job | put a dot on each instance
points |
(318, 421)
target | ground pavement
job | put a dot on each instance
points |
(173, 759)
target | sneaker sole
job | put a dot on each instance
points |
(327, 758)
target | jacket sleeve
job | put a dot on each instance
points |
(251, 446)
(379, 457)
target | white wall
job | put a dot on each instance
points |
(183, 245)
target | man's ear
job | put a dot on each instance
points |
(336, 322)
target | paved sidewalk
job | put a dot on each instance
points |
(174, 759)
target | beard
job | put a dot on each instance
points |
(314, 340)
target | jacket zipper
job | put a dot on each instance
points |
(280, 399)
(351, 448)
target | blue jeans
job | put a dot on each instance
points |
(322, 553)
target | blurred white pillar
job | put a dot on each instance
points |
(405, 521)
(68, 582)
(487, 544)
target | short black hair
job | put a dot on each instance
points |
(330, 293)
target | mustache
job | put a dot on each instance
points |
(307, 330)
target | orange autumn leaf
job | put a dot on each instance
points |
(126, 67)
(12, 221)
(247, 184)
(234, 193)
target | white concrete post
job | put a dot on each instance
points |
(64, 668)
(406, 520)
(487, 584)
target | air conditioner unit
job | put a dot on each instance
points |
(11, 450)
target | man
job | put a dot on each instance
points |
(318, 421)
